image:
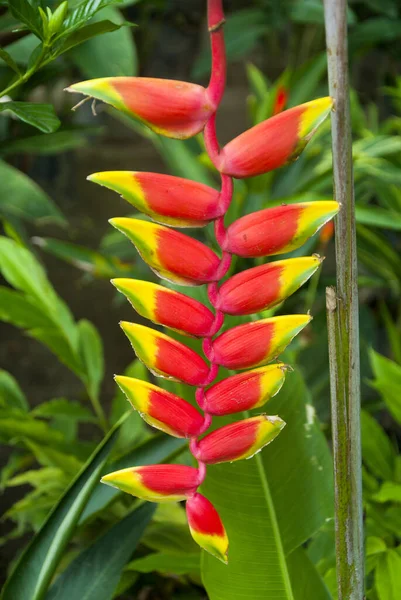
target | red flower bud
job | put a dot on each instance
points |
(238, 440)
(175, 109)
(166, 199)
(167, 307)
(206, 527)
(256, 343)
(274, 142)
(277, 230)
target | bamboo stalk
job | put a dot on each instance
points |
(343, 326)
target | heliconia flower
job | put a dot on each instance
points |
(167, 307)
(274, 142)
(166, 199)
(171, 254)
(175, 109)
(244, 391)
(280, 100)
(239, 440)
(206, 526)
(265, 286)
(164, 356)
(156, 483)
(257, 343)
(277, 230)
(161, 409)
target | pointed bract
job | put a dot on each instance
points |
(167, 307)
(277, 230)
(161, 409)
(166, 199)
(156, 483)
(274, 142)
(263, 287)
(175, 109)
(257, 343)
(164, 356)
(244, 391)
(206, 527)
(238, 440)
(171, 254)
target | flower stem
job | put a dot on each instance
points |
(343, 327)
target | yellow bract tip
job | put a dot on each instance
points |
(314, 113)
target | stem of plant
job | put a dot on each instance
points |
(343, 326)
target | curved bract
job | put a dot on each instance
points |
(166, 199)
(181, 110)
(175, 109)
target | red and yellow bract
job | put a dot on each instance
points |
(166, 199)
(181, 110)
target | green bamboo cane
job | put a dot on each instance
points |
(343, 327)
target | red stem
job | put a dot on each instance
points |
(216, 90)
(215, 21)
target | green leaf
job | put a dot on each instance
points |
(91, 351)
(16, 309)
(160, 448)
(256, 501)
(177, 564)
(38, 477)
(83, 13)
(387, 382)
(20, 268)
(389, 492)
(111, 55)
(61, 407)
(90, 31)
(85, 259)
(61, 141)
(4, 55)
(26, 13)
(305, 579)
(173, 538)
(22, 425)
(41, 116)
(38, 563)
(21, 197)
(388, 576)
(107, 557)
(10, 392)
(378, 217)
(377, 452)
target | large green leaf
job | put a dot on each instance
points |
(306, 581)
(41, 116)
(94, 573)
(111, 54)
(36, 566)
(271, 504)
(23, 198)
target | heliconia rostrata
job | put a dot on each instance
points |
(181, 110)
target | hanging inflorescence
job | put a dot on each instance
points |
(181, 110)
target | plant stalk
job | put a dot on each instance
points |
(343, 325)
